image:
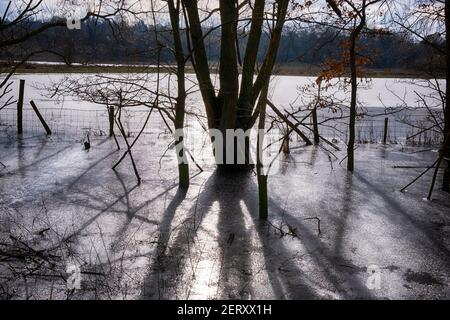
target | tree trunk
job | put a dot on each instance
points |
(201, 62)
(234, 106)
(183, 167)
(285, 145)
(236, 153)
(183, 175)
(263, 197)
(315, 126)
(111, 121)
(446, 178)
(262, 177)
(352, 119)
(228, 71)
(248, 69)
(354, 87)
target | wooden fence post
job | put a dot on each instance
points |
(386, 122)
(111, 120)
(315, 126)
(44, 124)
(20, 107)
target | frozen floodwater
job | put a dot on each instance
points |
(71, 116)
(285, 90)
(61, 206)
(64, 213)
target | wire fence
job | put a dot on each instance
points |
(411, 131)
(74, 122)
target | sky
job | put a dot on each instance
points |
(51, 8)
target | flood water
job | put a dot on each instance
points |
(70, 114)
(155, 241)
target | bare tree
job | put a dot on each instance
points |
(429, 21)
(183, 167)
(353, 13)
(17, 27)
(233, 106)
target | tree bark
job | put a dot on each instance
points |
(271, 53)
(285, 145)
(354, 87)
(183, 166)
(229, 75)
(111, 121)
(262, 178)
(315, 126)
(248, 69)
(201, 62)
(446, 177)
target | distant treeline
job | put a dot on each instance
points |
(102, 42)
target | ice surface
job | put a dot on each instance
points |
(285, 90)
(65, 207)
(154, 241)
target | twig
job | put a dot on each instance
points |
(419, 176)
(410, 167)
(193, 160)
(318, 223)
(289, 123)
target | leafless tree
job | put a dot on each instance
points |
(429, 21)
(233, 105)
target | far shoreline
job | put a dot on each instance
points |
(280, 70)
